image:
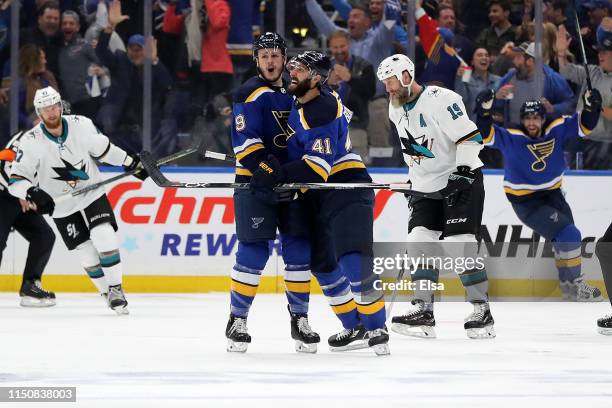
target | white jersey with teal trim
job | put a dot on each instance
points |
(436, 137)
(61, 165)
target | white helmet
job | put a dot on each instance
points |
(46, 97)
(396, 65)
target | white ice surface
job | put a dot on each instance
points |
(170, 352)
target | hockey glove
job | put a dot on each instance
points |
(43, 201)
(458, 181)
(269, 174)
(484, 103)
(592, 100)
(132, 162)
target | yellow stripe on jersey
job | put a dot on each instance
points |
(371, 308)
(345, 307)
(303, 119)
(489, 137)
(339, 110)
(317, 169)
(257, 93)
(514, 192)
(243, 288)
(241, 171)
(298, 287)
(585, 131)
(568, 263)
(554, 123)
(249, 150)
(349, 164)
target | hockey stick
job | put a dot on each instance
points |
(148, 161)
(391, 302)
(163, 160)
(220, 156)
(584, 58)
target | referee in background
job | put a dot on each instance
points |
(16, 214)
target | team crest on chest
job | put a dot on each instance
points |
(541, 151)
(70, 173)
(418, 148)
(282, 119)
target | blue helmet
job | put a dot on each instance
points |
(269, 40)
(533, 107)
(318, 63)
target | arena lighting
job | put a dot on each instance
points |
(301, 31)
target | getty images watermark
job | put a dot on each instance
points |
(411, 265)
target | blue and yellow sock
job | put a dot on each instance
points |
(370, 302)
(251, 258)
(296, 255)
(337, 289)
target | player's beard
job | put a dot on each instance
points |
(52, 124)
(301, 88)
(401, 98)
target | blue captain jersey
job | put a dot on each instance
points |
(320, 137)
(533, 165)
(260, 113)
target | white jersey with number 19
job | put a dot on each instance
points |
(436, 137)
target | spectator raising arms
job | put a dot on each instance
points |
(518, 86)
(77, 60)
(598, 147)
(121, 111)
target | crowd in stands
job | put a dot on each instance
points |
(93, 52)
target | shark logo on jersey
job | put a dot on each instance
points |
(417, 151)
(541, 151)
(71, 174)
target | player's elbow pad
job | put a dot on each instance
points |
(114, 156)
(467, 154)
(18, 187)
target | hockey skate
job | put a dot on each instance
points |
(348, 339)
(604, 325)
(479, 324)
(33, 295)
(580, 291)
(116, 300)
(417, 322)
(236, 332)
(378, 341)
(305, 338)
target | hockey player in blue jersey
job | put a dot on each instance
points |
(260, 111)
(533, 172)
(320, 151)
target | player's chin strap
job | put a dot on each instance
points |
(152, 168)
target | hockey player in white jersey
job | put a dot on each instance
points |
(58, 156)
(440, 145)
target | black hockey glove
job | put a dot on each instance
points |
(484, 103)
(458, 181)
(44, 202)
(592, 100)
(141, 174)
(268, 175)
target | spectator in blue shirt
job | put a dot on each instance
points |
(518, 86)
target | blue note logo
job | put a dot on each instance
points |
(257, 221)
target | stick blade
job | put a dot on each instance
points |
(150, 164)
